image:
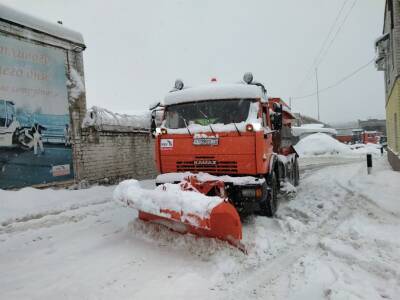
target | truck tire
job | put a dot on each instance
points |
(270, 204)
(296, 173)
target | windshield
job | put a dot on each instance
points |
(207, 112)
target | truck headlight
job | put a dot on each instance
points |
(249, 193)
(252, 192)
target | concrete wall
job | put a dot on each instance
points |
(108, 156)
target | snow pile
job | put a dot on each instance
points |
(75, 84)
(366, 148)
(30, 203)
(251, 119)
(320, 144)
(323, 144)
(178, 177)
(99, 117)
(166, 197)
(312, 128)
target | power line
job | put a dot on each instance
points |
(336, 83)
(330, 31)
(337, 32)
(319, 58)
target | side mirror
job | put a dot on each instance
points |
(277, 118)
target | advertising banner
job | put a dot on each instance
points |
(35, 134)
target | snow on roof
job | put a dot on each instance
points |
(11, 15)
(214, 91)
(312, 128)
(100, 117)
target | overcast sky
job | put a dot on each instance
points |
(136, 49)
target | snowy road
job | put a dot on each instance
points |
(337, 238)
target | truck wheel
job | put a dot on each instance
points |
(270, 204)
(296, 173)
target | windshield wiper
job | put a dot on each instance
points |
(186, 125)
(209, 123)
(237, 129)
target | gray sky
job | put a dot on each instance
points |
(136, 49)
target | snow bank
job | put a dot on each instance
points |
(319, 144)
(177, 177)
(323, 144)
(366, 148)
(98, 117)
(30, 203)
(251, 119)
(166, 196)
(214, 91)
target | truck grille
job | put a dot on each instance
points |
(207, 164)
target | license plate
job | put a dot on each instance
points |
(205, 141)
(205, 162)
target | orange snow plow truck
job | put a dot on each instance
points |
(223, 152)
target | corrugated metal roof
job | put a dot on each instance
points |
(10, 15)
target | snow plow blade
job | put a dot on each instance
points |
(191, 206)
(223, 223)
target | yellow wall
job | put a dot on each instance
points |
(392, 108)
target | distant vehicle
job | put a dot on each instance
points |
(361, 136)
(12, 134)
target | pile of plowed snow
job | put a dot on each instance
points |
(165, 197)
(323, 144)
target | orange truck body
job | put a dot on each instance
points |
(249, 153)
(264, 155)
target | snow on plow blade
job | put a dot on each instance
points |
(185, 208)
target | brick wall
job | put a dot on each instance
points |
(108, 156)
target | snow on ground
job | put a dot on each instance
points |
(337, 238)
(323, 144)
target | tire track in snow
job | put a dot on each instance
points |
(257, 283)
(47, 219)
(271, 269)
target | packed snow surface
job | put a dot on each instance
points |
(99, 117)
(323, 144)
(337, 237)
(167, 196)
(54, 29)
(177, 177)
(214, 91)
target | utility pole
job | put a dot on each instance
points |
(290, 102)
(316, 77)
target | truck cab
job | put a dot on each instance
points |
(232, 131)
